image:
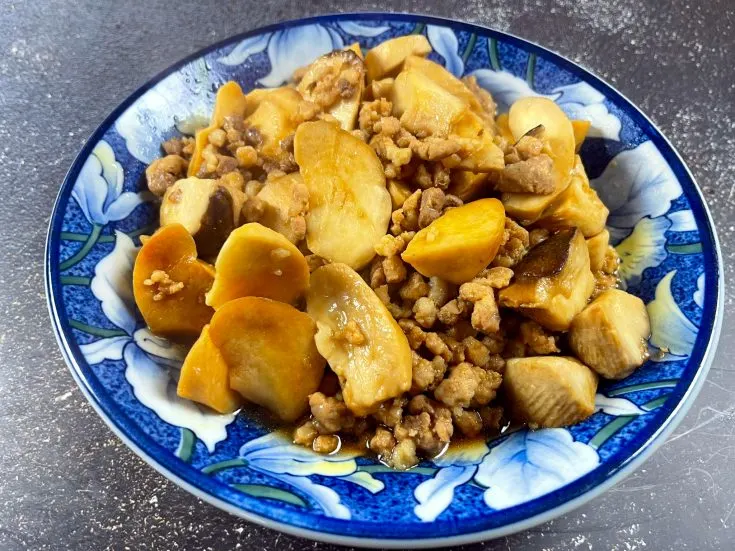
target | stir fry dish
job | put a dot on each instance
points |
(374, 255)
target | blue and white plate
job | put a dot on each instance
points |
(658, 221)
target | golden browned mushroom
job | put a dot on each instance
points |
(335, 82)
(549, 391)
(360, 339)
(610, 334)
(269, 349)
(553, 282)
(207, 209)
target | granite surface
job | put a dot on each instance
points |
(67, 483)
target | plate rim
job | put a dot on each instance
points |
(651, 444)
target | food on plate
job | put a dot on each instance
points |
(550, 391)
(581, 128)
(597, 247)
(553, 281)
(258, 261)
(460, 243)
(386, 58)
(205, 377)
(349, 205)
(396, 264)
(578, 205)
(610, 335)
(358, 336)
(170, 282)
(424, 107)
(208, 209)
(282, 206)
(543, 145)
(335, 82)
(229, 105)
(269, 349)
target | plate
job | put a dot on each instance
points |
(658, 221)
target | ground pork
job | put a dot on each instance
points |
(468, 385)
(514, 247)
(163, 173)
(532, 175)
(330, 414)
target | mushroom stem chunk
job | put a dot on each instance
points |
(553, 282)
(549, 391)
(610, 334)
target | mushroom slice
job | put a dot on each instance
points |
(553, 282)
(208, 210)
(359, 338)
(335, 82)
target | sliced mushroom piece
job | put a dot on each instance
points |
(272, 121)
(208, 210)
(205, 377)
(553, 282)
(359, 338)
(467, 185)
(581, 128)
(446, 80)
(335, 82)
(578, 205)
(169, 284)
(386, 59)
(460, 243)
(549, 391)
(257, 261)
(486, 156)
(269, 349)
(610, 334)
(349, 205)
(424, 107)
(558, 135)
(230, 102)
(285, 202)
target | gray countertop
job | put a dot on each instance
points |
(67, 482)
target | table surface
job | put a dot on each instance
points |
(67, 482)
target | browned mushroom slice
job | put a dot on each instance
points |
(207, 209)
(553, 282)
(335, 82)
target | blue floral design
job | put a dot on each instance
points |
(456, 468)
(183, 99)
(644, 248)
(529, 464)
(278, 458)
(521, 467)
(99, 188)
(637, 183)
(671, 331)
(296, 47)
(445, 43)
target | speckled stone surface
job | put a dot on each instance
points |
(67, 483)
